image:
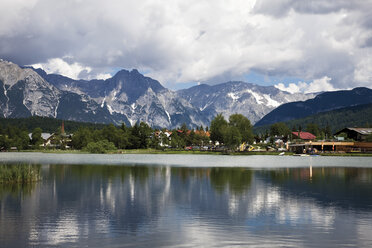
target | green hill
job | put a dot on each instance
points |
(356, 116)
(323, 102)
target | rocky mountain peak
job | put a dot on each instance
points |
(11, 73)
(134, 81)
(251, 100)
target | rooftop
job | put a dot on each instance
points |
(361, 130)
(304, 135)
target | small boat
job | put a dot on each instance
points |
(281, 154)
(301, 155)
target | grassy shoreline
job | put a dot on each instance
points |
(19, 173)
(155, 151)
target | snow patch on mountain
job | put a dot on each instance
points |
(233, 96)
(257, 96)
(110, 109)
(251, 100)
(271, 102)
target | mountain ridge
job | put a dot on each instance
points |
(130, 97)
(326, 101)
(251, 100)
(337, 119)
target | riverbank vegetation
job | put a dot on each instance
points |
(19, 173)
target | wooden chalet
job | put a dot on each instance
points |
(355, 133)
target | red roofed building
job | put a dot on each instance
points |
(303, 135)
(202, 133)
(197, 132)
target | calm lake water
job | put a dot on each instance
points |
(188, 201)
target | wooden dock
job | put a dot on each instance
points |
(344, 146)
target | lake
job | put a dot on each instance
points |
(137, 200)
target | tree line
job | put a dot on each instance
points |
(139, 136)
(282, 129)
(228, 134)
(47, 124)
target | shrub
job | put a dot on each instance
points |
(102, 146)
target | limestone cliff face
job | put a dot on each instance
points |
(23, 92)
(134, 97)
(253, 101)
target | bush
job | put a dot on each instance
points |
(102, 146)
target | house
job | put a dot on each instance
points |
(46, 138)
(275, 139)
(163, 135)
(303, 135)
(51, 139)
(331, 146)
(355, 133)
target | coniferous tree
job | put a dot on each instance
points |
(279, 129)
(328, 132)
(313, 128)
(134, 138)
(145, 133)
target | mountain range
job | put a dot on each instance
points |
(129, 97)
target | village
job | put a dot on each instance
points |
(351, 140)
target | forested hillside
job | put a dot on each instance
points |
(356, 116)
(324, 102)
(48, 125)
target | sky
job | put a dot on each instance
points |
(296, 45)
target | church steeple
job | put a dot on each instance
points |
(63, 128)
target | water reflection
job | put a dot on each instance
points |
(237, 180)
(93, 205)
(16, 190)
(344, 187)
(18, 180)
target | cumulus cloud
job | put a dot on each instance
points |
(194, 41)
(71, 70)
(60, 66)
(318, 85)
(363, 70)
